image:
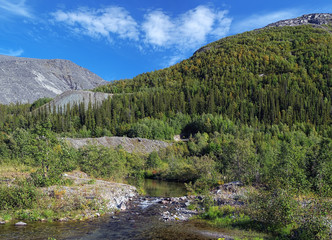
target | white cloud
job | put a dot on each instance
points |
(258, 21)
(158, 28)
(11, 52)
(100, 23)
(15, 7)
(187, 31)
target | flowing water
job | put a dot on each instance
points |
(140, 222)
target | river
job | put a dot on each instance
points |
(140, 222)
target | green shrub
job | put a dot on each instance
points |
(213, 213)
(39, 179)
(153, 160)
(48, 214)
(7, 217)
(18, 197)
(313, 223)
(226, 216)
(274, 209)
(92, 181)
(104, 162)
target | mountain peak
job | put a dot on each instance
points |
(316, 19)
(28, 79)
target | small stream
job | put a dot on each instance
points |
(141, 221)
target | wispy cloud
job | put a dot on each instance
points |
(258, 21)
(97, 23)
(158, 29)
(186, 31)
(11, 52)
(15, 7)
(171, 59)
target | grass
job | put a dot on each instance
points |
(52, 208)
(11, 171)
(235, 232)
(233, 221)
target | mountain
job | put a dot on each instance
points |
(278, 74)
(26, 79)
(316, 20)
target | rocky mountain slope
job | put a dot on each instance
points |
(77, 97)
(27, 79)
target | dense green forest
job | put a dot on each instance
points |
(255, 107)
(272, 75)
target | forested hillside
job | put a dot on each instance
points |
(272, 75)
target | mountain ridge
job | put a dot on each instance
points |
(315, 19)
(319, 20)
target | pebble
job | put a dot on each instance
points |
(20, 224)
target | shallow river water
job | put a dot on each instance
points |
(140, 222)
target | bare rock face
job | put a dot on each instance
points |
(316, 19)
(26, 79)
(77, 97)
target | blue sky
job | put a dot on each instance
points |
(119, 39)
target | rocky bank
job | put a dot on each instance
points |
(114, 196)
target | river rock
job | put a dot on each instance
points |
(20, 224)
(164, 202)
(2, 222)
(122, 206)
